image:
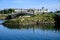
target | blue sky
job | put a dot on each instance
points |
(52, 5)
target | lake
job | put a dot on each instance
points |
(29, 32)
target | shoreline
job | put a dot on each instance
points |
(25, 23)
(37, 19)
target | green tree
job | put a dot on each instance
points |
(11, 10)
(7, 11)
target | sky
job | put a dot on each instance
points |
(52, 5)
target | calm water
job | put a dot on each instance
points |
(29, 32)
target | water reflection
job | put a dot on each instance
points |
(1, 21)
(30, 32)
(55, 27)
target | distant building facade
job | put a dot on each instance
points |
(32, 10)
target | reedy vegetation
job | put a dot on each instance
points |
(42, 18)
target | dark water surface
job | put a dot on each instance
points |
(29, 32)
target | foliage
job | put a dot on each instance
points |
(58, 11)
(7, 11)
(42, 18)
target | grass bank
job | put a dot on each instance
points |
(42, 18)
(3, 16)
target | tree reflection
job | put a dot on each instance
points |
(40, 26)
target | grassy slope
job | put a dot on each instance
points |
(3, 16)
(30, 20)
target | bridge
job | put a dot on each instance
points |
(14, 15)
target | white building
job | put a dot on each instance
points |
(34, 10)
(20, 10)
